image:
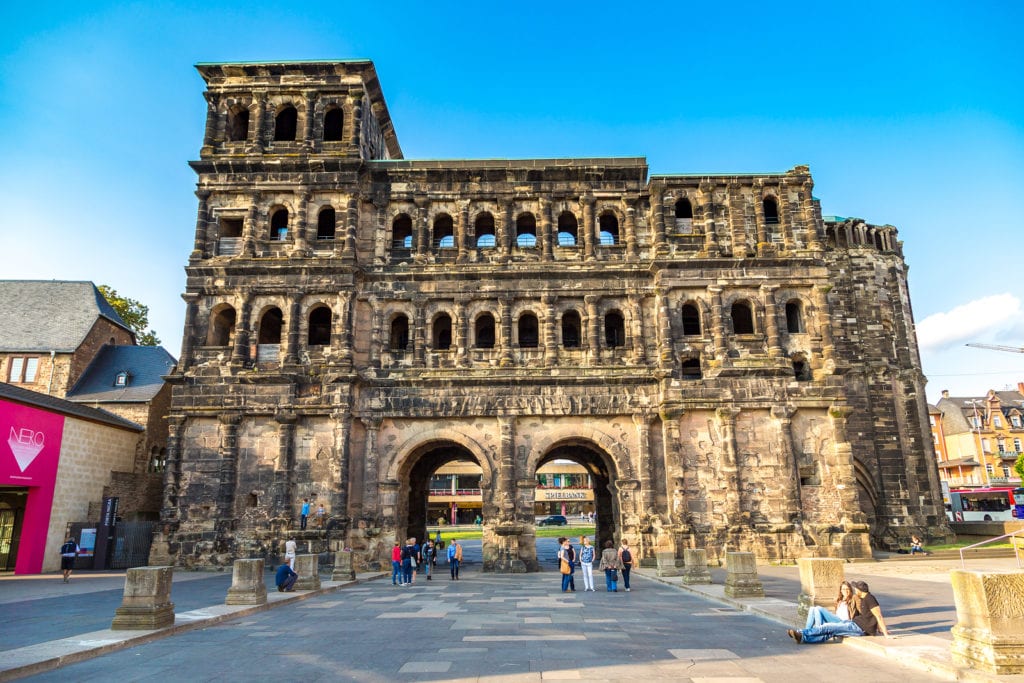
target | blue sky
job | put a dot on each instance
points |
(907, 113)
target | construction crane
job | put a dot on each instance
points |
(997, 347)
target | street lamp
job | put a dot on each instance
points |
(981, 446)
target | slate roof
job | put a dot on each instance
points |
(50, 315)
(145, 365)
(59, 405)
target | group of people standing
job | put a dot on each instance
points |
(612, 561)
(408, 559)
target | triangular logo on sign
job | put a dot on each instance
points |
(25, 450)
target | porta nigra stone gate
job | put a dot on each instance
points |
(735, 371)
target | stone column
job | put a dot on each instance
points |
(251, 225)
(695, 566)
(843, 472)
(200, 249)
(658, 209)
(259, 124)
(213, 119)
(146, 605)
(771, 320)
(788, 216)
(675, 464)
(505, 340)
(240, 351)
(588, 232)
(247, 584)
(741, 580)
(188, 338)
(294, 316)
(729, 472)
(819, 583)
(547, 237)
(461, 223)
(308, 569)
(301, 238)
(593, 328)
(507, 467)
(285, 466)
(340, 462)
(507, 235)
(172, 469)
(718, 325)
(825, 318)
(461, 336)
(737, 226)
(791, 486)
(550, 338)
(630, 228)
(421, 228)
(419, 332)
(636, 332)
(376, 333)
(341, 335)
(642, 423)
(355, 106)
(344, 570)
(309, 114)
(228, 468)
(370, 465)
(989, 631)
(348, 250)
(759, 219)
(711, 246)
(810, 222)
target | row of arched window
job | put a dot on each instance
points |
(223, 319)
(286, 124)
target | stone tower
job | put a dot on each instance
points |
(734, 371)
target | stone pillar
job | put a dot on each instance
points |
(737, 224)
(505, 333)
(807, 209)
(309, 116)
(547, 236)
(240, 351)
(506, 230)
(348, 250)
(172, 476)
(339, 468)
(711, 246)
(461, 335)
(824, 315)
(791, 486)
(843, 471)
(294, 315)
(741, 579)
(376, 333)
(247, 584)
(147, 602)
(200, 249)
(658, 207)
(421, 229)
(250, 227)
(370, 466)
(506, 467)
(300, 239)
(989, 631)
(729, 471)
(588, 233)
(630, 228)
(285, 466)
(695, 566)
(188, 338)
(819, 583)
(666, 563)
(759, 220)
(461, 223)
(258, 125)
(308, 569)
(593, 330)
(550, 338)
(663, 326)
(228, 467)
(344, 570)
(636, 331)
(341, 334)
(771, 320)
(419, 332)
(355, 105)
(213, 119)
(642, 422)
(718, 325)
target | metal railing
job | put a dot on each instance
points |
(1013, 543)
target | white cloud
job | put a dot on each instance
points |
(976, 320)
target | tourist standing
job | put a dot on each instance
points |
(454, 558)
(564, 563)
(428, 558)
(68, 553)
(626, 562)
(587, 563)
(396, 565)
(289, 552)
(572, 565)
(408, 559)
(304, 514)
(610, 565)
(321, 516)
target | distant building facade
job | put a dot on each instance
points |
(732, 369)
(982, 438)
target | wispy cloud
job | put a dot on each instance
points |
(977, 320)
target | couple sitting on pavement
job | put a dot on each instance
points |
(857, 614)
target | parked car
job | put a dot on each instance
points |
(553, 520)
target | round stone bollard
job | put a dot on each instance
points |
(695, 563)
(343, 569)
(741, 579)
(989, 631)
(308, 569)
(819, 583)
(147, 600)
(247, 584)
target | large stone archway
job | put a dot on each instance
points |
(602, 475)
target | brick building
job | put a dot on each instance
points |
(733, 369)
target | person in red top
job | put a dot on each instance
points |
(396, 564)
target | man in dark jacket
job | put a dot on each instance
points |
(285, 579)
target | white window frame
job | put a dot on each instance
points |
(23, 369)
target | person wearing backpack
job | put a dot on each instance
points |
(68, 553)
(610, 566)
(625, 561)
(587, 563)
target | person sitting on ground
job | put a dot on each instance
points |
(285, 579)
(916, 547)
(816, 616)
(866, 620)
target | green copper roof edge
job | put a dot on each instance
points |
(288, 61)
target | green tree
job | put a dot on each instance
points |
(134, 313)
(1019, 466)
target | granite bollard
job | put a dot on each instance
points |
(741, 579)
(989, 631)
(147, 600)
(343, 568)
(308, 569)
(819, 583)
(695, 563)
(248, 586)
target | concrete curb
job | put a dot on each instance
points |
(42, 657)
(923, 652)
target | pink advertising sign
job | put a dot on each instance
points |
(30, 441)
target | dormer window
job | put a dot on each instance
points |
(121, 379)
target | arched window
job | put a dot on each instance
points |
(691, 369)
(771, 211)
(571, 327)
(526, 231)
(320, 326)
(325, 224)
(286, 124)
(442, 332)
(334, 121)
(794, 317)
(444, 232)
(879, 244)
(802, 369)
(484, 332)
(608, 224)
(614, 330)
(279, 224)
(270, 327)
(528, 331)
(568, 229)
(484, 228)
(684, 216)
(238, 124)
(401, 232)
(222, 326)
(691, 320)
(399, 339)
(742, 318)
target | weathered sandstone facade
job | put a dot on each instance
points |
(735, 372)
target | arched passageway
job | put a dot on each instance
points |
(598, 467)
(416, 485)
